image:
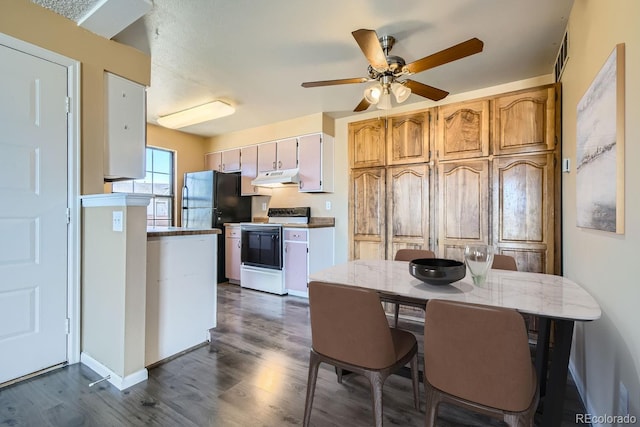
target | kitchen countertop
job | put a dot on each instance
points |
(179, 231)
(314, 222)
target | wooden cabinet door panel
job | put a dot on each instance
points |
(408, 139)
(463, 130)
(463, 206)
(524, 209)
(524, 122)
(367, 213)
(367, 143)
(407, 208)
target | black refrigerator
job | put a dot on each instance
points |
(210, 199)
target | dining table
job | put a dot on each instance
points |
(557, 301)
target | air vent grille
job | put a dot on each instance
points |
(562, 57)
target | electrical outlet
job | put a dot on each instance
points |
(327, 205)
(264, 206)
(623, 400)
(117, 221)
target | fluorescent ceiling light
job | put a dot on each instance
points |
(191, 116)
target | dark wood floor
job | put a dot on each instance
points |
(254, 373)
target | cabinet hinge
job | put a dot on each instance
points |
(307, 249)
(67, 326)
(68, 216)
(67, 105)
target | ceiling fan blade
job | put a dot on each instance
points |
(461, 50)
(335, 82)
(425, 90)
(370, 46)
(364, 104)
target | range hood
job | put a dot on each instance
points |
(276, 178)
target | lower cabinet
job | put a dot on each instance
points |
(306, 250)
(232, 253)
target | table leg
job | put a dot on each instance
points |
(542, 352)
(557, 381)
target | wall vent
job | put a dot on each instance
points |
(562, 57)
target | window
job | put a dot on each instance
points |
(157, 183)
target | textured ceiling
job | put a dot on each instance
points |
(255, 54)
(72, 9)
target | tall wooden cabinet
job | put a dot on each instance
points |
(480, 171)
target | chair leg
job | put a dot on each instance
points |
(314, 363)
(339, 373)
(395, 315)
(376, 380)
(431, 408)
(415, 379)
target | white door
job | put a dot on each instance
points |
(33, 219)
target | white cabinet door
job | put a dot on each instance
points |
(249, 172)
(315, 160)
(232, 254)
(213, 161)
(231, 160)
(267, 157)
(287, 154)
(295, 261)
(125, 134)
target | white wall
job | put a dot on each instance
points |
(606, 351)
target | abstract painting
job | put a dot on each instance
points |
(600, 149)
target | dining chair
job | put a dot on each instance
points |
(349, 330)
(504, 262)
(477, 357)
(407, 255)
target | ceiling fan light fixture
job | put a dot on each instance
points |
(385, 101)
(400, 91)
(373, 92)
(191, 116)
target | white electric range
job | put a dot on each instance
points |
(262, 249)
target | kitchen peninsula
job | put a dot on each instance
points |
(181, 290)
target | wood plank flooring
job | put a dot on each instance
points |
(254, 373)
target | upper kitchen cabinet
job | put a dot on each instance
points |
(278, 155)
(463, 130)
(223, 161)
(213, 161)
(249, 172)
(408, 139)
(125, 136)
(524, 122)
(464, 216)
(315, 163)
(367, 143)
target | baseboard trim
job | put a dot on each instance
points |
(582, 391)
(121, 383)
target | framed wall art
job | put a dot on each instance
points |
(600, 149)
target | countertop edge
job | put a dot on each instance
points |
(176, 231)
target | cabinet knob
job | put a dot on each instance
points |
(126, 127)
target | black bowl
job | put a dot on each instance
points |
(437, 271)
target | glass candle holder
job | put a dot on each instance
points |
(479, 259)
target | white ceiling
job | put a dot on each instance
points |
(255, 54)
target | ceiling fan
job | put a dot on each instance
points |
(387, 71)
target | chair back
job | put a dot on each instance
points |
(349, 324)
(504, 262)
(411, 254)
(479, 353)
